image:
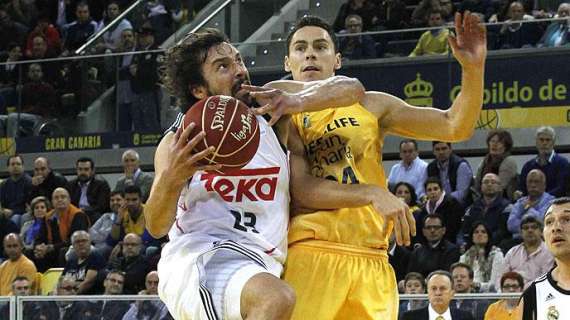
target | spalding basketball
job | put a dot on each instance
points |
(229, 127)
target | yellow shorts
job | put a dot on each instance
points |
(337, 281)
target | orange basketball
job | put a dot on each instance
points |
(229, 127)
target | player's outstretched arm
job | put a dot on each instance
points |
(286, 96)
(469, 47)
(174, 165)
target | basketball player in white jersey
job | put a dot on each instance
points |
(228, 233)
(548, 297)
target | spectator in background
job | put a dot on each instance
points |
(88, 192)
(411, 169)
(77, 32)
(463, 283)
(148, 310)
(406, 192)
(17, 265)
(531, 258)
(100, 231)
(70, 218)
(6, 227)
(363, 8)
(514, 33)
(484, 259)
(492, 209)
(125, 94)
(499, 161)
(11, 31)
(14, 190)
(414, 283)
(438, 253)
(504, 309)
(535, 204)
(543, 9)
(51, 69)
(145, 78)
(10, 74)
(131, 217)
(112, 38)
(22, 11)
(554, 166)
(433, 41)
(133, 175)
(398, 257)
(558, 32)
(85, 265)
(46, 31)
(483, 7)
(392, 15)
(108, 310)
(132, 263)
(45, 180)
(159, 18)
(440, 293)
(355, 47)
(21, 286)
(453, 171)
(420, 15)
(438, 202)
(62, 309)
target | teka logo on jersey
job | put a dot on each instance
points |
(244, 184)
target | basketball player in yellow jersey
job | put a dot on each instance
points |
(337, 261)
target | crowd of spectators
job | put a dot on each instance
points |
(483, 226)
(94, 231)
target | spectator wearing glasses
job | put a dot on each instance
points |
(85, 265)
(354, 47)
(131, 262)
(504, 309)
(63, 310)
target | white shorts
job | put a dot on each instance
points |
(205, 282)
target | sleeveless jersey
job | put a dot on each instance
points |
(343, 144)
(249, 206)
(545, 300)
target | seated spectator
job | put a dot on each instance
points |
(440, 293)
(420, 15)
(485, 259)
(544, 9)
(438, 202)
(511, 282)
(89, 192)
(133, 175)
(21, 287)
(392, 15)
(112, 38)
(11, 31)
(398, 257)
(554, 166)
(17, 265)
(100, 231)
(453, 171)
(69, 217)
(125, 94)
(10, 74)
(535, 204)
(414, 283)
(531, 258)
(77, 32)
(438, 253)
(411, 169)
(6, 227)
(364, 8)
(499, 161)
(483, 7)
(557, 34)
(108, 310)
(160, 18)
(24, 12)
(433, 41)
(14, 190)
(154, 309)
(45, 180)
(406, 192)
(41, 237)
(132, 263)
(85, 265)
(48, 32)
(62, 309)
(514, 33)
(357, 46)
(491, 208)
(462, 275)
(131, 217)
(51, 70)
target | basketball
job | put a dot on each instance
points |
(229, 127)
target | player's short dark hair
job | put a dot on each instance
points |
(14, 156)
(514, 276)
(182, 67)
(86, 159)
(414, 142)
(441, 273)
(133, 189)
(433, 180)
(462, 265)
(312, 21)
(415, 276)
(557, 202)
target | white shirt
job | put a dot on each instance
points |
(414, 174)
(433, 314)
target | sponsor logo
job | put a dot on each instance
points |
(218, 121)
(245, 129)
(244, 185)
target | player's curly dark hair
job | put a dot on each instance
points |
(182, 68)
(312, 21)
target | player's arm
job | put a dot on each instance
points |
(286, 96)
(458, 122)
(174, 165)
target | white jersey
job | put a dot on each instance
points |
(545, 300)
(249, 206)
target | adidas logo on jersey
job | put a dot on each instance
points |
(244, 184)
(549, 297)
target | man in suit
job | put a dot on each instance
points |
(88, 192)
(133, 175)
(440, 292)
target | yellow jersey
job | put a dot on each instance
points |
(344, 145)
